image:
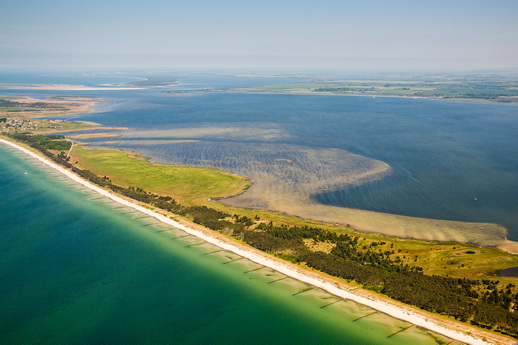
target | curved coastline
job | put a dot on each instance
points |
(282, 267)
(285, 177)
(295, 203)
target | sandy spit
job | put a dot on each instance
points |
(62, 87)
(299, 274)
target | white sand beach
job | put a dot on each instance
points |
(457, 331)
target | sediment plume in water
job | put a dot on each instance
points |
(286, 176)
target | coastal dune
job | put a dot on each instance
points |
(261, 259)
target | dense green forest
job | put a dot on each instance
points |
(485, 303)
(43, 142)
(480, 302)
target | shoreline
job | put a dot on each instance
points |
(326, 93)
(66, 106)
(482, 234)
(63, 87)
(292, 271)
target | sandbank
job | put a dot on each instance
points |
(57, 106)
(447, 328)
(94, 135)
(63, 87)
(286, 178)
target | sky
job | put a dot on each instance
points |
(291, 34)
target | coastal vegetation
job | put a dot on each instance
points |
(406, 270)
(11, 106)
(153, 81)
(467, 90)
(479, 301)
(30, 107)
(47, 142)
(473, 89)
(21, 114)
(188, 185)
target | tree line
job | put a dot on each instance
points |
(43, 142)
(481, 303)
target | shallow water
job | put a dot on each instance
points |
(450, 161)
(77, 268)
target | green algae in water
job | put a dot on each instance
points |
(77, 269)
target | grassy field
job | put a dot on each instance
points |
(14, 110)
(195, 186)
(464, 89)
(31, 108)
(187, 185)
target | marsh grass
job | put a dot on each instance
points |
(186, 184)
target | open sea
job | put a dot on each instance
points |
(78, 269)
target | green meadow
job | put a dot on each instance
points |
(188, 185)
(443, 88)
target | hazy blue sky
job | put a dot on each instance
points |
(363, 34)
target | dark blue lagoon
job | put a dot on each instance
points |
(78, 269)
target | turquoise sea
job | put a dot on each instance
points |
(79, 269)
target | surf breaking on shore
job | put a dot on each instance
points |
(261, 259)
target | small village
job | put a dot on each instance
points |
(16, 124)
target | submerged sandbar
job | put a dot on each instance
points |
(285, 177)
